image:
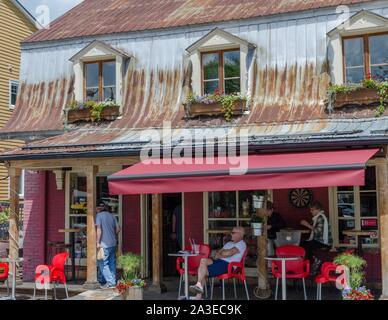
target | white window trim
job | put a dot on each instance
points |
(11, 83)
(357, 215)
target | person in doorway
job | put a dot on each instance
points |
(232, 251)
(320, 236)
(107, 230)
(275, 222)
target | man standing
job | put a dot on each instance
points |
(107, 230)
(275, 222)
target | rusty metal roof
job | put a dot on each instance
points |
(100, 17)
(121, 142)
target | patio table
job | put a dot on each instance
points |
(13, 262)
(185, 256)
(283, 260)
(358, 234)
(72, 233)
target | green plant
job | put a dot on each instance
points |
(4, 215)
(130, 263)
(356, 265)
(257, 219)
(73, 105)
(97, 111)
(228, 102)
(90, 104)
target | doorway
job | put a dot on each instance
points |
(172, 232)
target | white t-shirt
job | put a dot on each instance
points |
(241, 246)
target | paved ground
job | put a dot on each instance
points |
(294, 292)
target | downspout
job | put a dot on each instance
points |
(45, 235)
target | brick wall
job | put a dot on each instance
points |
(131, 224)
(34, 222)
(193, 216)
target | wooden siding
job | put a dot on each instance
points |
(14, 28)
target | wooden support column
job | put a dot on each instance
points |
(91, 271)
(157, 227)
(382, 174)
(14, 175)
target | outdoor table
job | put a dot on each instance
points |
(302, 231)
(185, 256)
(283, 260)
(359, 234)
(72, 233)
(13, 262)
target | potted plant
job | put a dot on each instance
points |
(354, 265)
(130, 286)
(215, 104)
(92, 111)
(257, 225)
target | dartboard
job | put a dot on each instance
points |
(300, 198)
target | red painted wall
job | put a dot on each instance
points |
(131, 224)
(291, 215)
(193, 216)
(34, 222)
(55, 210)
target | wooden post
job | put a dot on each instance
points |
(14, 175)
(263, 290)
(91, 266)
(157, 263)
(382, 174)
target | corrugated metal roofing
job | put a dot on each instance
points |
(93, 17)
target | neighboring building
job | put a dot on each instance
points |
(149, 57)
(16, 25)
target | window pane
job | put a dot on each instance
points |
(14, 93)
(232, 64)
(109, 74)
(368, 204)
(92, 94)
(346, 225)
(232, 86)
(380, 72)
(355, 75)
(246, 204)
(91, 75)
(378, 48)
(217, 240)
(222, 204)
(109, 93)
(210, 86)
(345, 204)
(210, 62)
(354, 52)
(370, 179)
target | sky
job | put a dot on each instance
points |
(55, 7)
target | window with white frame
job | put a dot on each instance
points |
(13, 93)
(100, 80)
(356, 208)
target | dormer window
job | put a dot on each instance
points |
(366, 55)
(221, 71)
(99, 69)
(100, 80)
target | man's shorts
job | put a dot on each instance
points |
(217, 268)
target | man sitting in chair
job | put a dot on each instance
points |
(232, 251)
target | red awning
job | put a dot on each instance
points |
(272, 171)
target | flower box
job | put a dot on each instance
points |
(359, 97)
(133, 293)
(213, 109)
(109, 113)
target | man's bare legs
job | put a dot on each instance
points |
(202, 274)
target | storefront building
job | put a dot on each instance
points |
(282, 65)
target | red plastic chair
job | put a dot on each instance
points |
(298, 269)
(193, 263)
(326, 276)
(56, 273)
(236, 270)
(4, 273)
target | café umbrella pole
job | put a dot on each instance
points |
(263, 290)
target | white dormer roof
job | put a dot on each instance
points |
(98, 50)
(363, 21)
(216, 39)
